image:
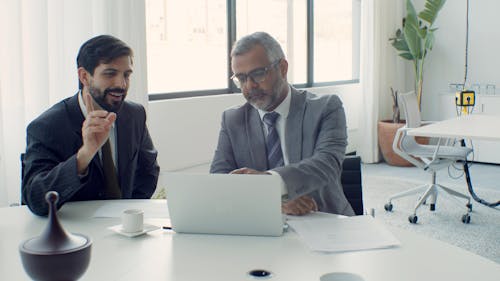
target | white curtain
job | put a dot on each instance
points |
(3, 191)
(381, 69)
(40, 41)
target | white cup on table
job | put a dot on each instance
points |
(132, 220)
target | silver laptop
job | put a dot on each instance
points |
(224, 204)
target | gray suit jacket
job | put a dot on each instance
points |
(316, 139)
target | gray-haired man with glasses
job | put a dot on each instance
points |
(282, 131)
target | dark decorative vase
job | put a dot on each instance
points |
(56, 254)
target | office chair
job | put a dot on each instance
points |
(430, 158)
(23, 166)
(351, 183)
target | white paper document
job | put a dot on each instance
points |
(151, 208)
(331, 233)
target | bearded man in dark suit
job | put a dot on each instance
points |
(95, 144)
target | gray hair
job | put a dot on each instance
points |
(271, 46)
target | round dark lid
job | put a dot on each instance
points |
(55, 240)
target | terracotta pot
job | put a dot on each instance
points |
(386, 133)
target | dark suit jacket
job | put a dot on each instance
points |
(316, 138)
(53, 139)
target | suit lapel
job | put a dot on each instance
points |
(255, 138)
(76, 116)
(294, 125)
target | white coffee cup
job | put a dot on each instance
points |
(132, 220)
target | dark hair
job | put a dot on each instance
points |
(100, 49)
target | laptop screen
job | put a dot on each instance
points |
(224, 203)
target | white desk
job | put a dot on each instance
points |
(164, 255)
(481, 129)
(474, 126)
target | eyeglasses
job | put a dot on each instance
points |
(258, 75)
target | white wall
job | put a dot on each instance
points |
(445, 63)
(185, 131)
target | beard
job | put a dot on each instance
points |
(100, 98)
(267, 101)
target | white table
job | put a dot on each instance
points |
(474, 126)
(164, 255)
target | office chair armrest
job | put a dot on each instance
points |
(400, 134)
(423, 123)
(404, 129)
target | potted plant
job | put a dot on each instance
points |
(416, 38)
(387, 131)
(413, 42)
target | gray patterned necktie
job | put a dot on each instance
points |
(273, 144)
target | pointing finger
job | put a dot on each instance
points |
(98, 113)
(111, 117)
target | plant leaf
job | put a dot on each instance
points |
(410, 31)
(416, 37)
(411, 14)
(429, 40)
(400, 45)
(406, 56)
(422, 32)
(431, 10)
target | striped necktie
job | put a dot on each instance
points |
(273, 144)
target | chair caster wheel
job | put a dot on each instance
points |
(466, 218)
(469, 206)
(388, 207)
(413, 218)
(432, 207)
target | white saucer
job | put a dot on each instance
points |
(147, 228)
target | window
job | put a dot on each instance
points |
(336, 40)
(286, 21)
(188, 49)
(186, 45)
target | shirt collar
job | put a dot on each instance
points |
(83, 108)
(283, 108)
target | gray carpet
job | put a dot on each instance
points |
(481, 236)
